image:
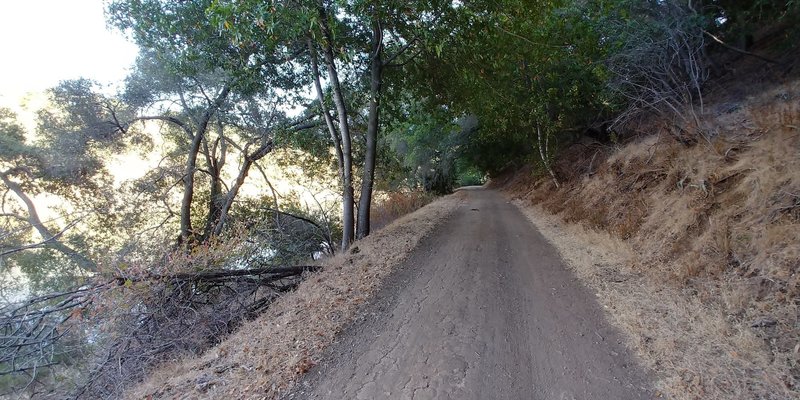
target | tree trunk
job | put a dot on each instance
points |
(188, 188)
(249, 160)
(215, 162)
(344, 172)
(337, 142)
(50, 240)
(348, 217)
(367, 181)
(544, 154)
(187, 234)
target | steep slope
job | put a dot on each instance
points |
(265, 356)
(694, 248)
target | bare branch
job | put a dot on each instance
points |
(43, 243)
(738, 50)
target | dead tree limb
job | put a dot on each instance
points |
(738, 50)
(115, 329)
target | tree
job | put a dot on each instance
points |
(223, 99)
(65, 160)
(343, 138)
(429, 144)
(658, 60)
(396, 33)
(343, 37)
(516, 66)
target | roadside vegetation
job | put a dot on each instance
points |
(689, 233)
(670, 125)
(692, 251)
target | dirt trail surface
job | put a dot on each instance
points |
(483, 309)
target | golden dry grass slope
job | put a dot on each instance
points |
(265, 356)
(694, 250)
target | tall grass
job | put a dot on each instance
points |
(393, 205)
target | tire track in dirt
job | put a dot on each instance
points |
(482, 309)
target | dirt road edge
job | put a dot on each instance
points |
(265, 357)
(674, 334)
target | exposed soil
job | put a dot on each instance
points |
(484, 308)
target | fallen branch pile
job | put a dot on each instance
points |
(110, 332)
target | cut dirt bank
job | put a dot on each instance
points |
(694, 251)
(264, 357)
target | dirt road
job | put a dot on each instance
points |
(483, 309)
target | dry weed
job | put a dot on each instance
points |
(708, 283)
(393, 205)
(264, 357)
(695, 348)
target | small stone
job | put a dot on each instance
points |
(763, 322)
(203, 382)
(221, 368)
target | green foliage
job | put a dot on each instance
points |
(288, 232)
(567, 66)
(73, 134)
(469, 175)
(738, 21)
(176, 31)
(12, 138)
(742, 13)
(65, 159)
(657, 61)
(426, 143)
(47, 271)
(513, 65)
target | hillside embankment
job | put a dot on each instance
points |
(265, 356)
(693, 247)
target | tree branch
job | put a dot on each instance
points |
(169, 119)
(738, 50)
(46, 242)
(48, 238)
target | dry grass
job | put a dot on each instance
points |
(264, 357)
(695, 251)
(393, 205)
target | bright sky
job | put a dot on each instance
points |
(46, 41)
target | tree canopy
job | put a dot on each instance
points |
(375, 95)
